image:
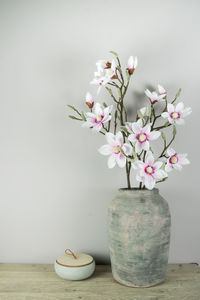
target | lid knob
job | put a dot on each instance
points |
(69, 252)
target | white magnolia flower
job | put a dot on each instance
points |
(89, 100)
(132, 64)
(141, 136)
(175, 160)
(161, 90)
(106, 72)
(111, 72)
(99, 116)
(149, 172)
(175, 114)
(115, 143)
(154, 97)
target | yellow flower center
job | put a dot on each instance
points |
(142, 137)
(116, 149)
(173, 159)
(149, 170)
(99, 118)
(109, 72)
(175, 115)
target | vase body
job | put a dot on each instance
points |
(139, 235)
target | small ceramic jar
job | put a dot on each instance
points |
(74, 267)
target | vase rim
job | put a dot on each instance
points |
(154, 190)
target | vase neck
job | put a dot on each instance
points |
(138, 191)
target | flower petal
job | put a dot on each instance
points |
(158, 164)
(138, 147)
(180, 121)
(98, 90)
(161, 90)
(130, 62)
(127, 149)
(119, 137)
(138, 164)
(108, 109)
(90, 115)
(160, 174)
(139, 178)
(170, 151)
(97, 127)
(149, 182)
(105, 150)
(121, 160)
(179, 107)
(145, 146)
(149, 158)
(148, 93)
(183, 160)
(136, 126)
(106, 118)
(98, 109)
(168, 168)
(111, 161)
(129, 127)
(87, 124)
(170, 108)
(132, 138)
(177, 167)
(89, 97)
(110, 138)
(165, 115)
(147, 128)
(187, 111)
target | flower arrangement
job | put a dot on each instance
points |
(128, 144)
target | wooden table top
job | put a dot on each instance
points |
(39, 282)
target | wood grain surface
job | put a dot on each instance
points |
(39, 282)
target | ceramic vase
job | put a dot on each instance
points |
(139, 235)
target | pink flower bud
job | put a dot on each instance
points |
(132, 64)
(89, 100)
(161, 90)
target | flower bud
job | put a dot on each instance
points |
(89, 100)
(162, 91)
(107, 65)
(132, 64)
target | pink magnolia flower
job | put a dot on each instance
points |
(149, 172)
(141, 136)
(132, 64)
(154, 97)
(175, 160)
(115, 143)
(161, 90)
(89, 100)
(106, 71)
(100, 116)
(175, 114)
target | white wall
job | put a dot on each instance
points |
(54, 186)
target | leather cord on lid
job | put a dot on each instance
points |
(69, 252)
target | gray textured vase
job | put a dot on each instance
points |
(139, 235)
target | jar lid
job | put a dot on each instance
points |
(72, 260)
